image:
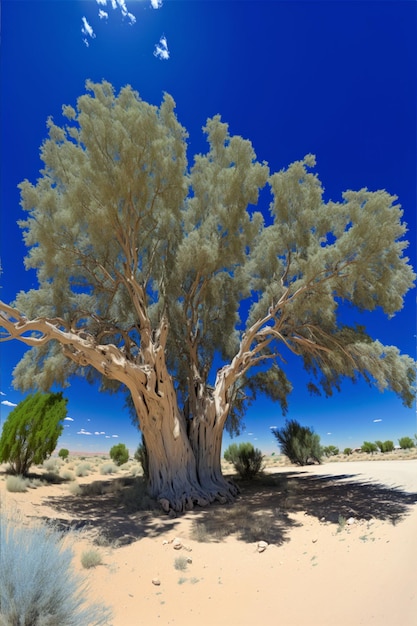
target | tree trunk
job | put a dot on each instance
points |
(206, 432)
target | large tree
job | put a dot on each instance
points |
(152, 274)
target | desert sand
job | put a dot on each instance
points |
(341, 547)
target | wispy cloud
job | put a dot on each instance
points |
(2, 393)
(273, 427)
(328, 433)
(103, 15)
(83, 432)
(68, 419)
(379, 420)
(8, 403)
(161, 49)
(116, 436)
(87, 31)
(156, 4)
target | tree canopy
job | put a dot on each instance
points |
(31, 431)
(162, 278)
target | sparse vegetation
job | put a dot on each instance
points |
(347, 451)
(91, 558)
(108, 468)
(119, 454)
(16, 484)
(247, 460)
(82, 469)
(181, 563)
(39, 587)
(299, 443)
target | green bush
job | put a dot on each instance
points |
(63, 454)
(247, 460)
(347, 451)
(119, 454)
(31, 431)
(369, 447)
(39, 587)
(406, 443)
(385, 446)
(299, 443)
(330, 451)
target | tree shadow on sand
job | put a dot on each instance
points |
(120, 511)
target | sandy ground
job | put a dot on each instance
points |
(342, 548)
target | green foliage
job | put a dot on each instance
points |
(347, 451)
(385, 446)
(31, 431)
(330, 451)
(369, 447)
(299, 443)
(63, 453)
(119, 454)
(406, 443)
(39, 587)
(247, 460)
(141, 455)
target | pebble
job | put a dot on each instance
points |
(156, 581)
(262, 546)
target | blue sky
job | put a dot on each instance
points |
(336, 79)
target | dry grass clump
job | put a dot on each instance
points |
(91, 558)
(108, 468)
(75, 489)
(17, 484)
(82, 469)
(67, 475)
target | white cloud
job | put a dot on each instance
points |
(250, 434)
(2, 393)
(328, 433)
(103, 15)
(68, 419)
(116, 436)
(156, 4)
(108, 437)
(86, 28)
(83, 432)
(273, 427)
(8, 403)
(377, 420)
(161, 49)
(102, 2)
(102, 432)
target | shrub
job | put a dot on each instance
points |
(67, 475)
(39, 586)
(90, 558)
(406, 443)
(51, 465)
(82, 469)
(347, 451)
(16, 484)
(246, 459)
(141, 455)
(369, 447)
(30, 432)
(63, 454)
(299, 443)
(119, 454)
(330, 451)
(108, 468)
(181, 563)
(385, 446)
(75, 489)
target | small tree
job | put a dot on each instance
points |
(63, 454)
(299, 443)
(119, 454)
(347, 451)
(246, 459)
(31, 431)
(385, 446)
(369, 447)
(330, 451)
(406, 443)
